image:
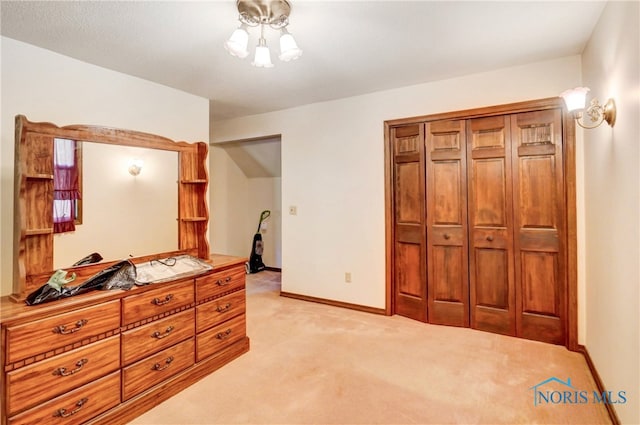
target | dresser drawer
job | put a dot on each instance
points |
(164, 298)
(155, 336)
(40, 381)
(45, 335)
(218, 283)
(219, 310)
(154, 369)
(75, 407)
(220, 337)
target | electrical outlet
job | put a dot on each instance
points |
(347, 277)
(293, 210)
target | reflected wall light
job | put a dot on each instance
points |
(576, 99)
(263, 13)
(135, 166)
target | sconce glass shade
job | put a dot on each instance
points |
(236, 45)
(262, 58)
(575, 99)
(135, 167)
(289, 49)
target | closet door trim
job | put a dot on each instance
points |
(569, 157)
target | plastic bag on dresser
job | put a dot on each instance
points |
(121, 275)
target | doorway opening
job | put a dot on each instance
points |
(246, 179)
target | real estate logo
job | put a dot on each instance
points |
(545, 393)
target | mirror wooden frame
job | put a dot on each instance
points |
(33, 195)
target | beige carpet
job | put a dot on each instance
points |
(315, 364)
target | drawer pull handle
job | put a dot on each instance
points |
(490, 238)
(62, 371)
(224, 282)
(62, 329)
(62, 413)
(159, 367)
(221, 309)
(224, 335)
(159, 335)
(446, 236)
(158, 301)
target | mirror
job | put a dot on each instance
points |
(34, 248)
(140, 211)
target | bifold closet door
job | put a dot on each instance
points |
(491, 266)
(539, 222)
(410, 293)
(446, 183)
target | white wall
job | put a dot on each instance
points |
(46, 86)
(229, 231)
(611, 68)
(333, 171)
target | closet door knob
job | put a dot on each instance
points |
(446, 236)
(490, 238)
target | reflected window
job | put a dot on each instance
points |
(67, 179)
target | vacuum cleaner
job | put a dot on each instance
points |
(255, 263)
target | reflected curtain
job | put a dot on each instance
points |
(65, 185)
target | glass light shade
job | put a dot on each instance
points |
(135, 166)
(289, 49)
(262, 59)
(575, 99)
(236, 45)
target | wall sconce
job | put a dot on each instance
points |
(135, 166)
(575, 99)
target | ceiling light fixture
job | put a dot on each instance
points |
(271, 13)
(576, 99)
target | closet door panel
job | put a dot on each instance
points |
(539, 292)
(538, 189)
(410, 293)
(492, 280)
(448, 208)
(447, 242)
(447, 266)
(493, 284)
(408, 202)
(489, 207)
(491, 289)
(536, 192)
(408, 270)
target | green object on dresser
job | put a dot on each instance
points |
(59, 279)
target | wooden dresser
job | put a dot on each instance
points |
(108, 356)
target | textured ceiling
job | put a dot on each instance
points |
(350, 48)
